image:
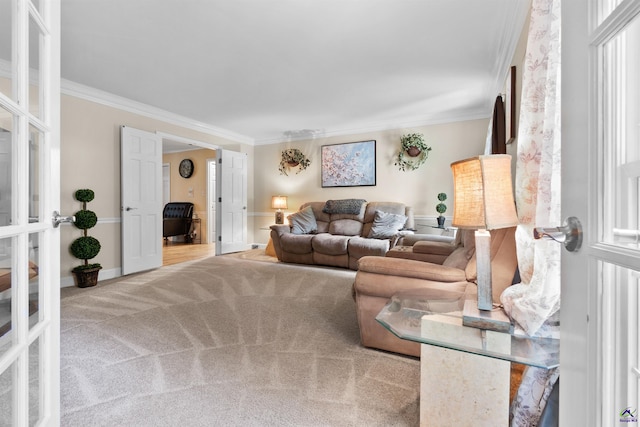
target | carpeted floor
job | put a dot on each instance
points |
(227, 341)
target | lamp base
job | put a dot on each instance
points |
(279, 217)
(494, 320)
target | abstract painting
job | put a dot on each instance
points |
(349, 165)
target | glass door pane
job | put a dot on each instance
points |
(6, 50)
(619, 358)
(621, 179)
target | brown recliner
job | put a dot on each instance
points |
(379, 278)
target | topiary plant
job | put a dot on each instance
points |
(441, 208)
(85, 247)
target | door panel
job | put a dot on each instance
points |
(141, 183)
(600, 103)
(29, 194)
(232, 215)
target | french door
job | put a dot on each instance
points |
(600, 349)
(29, 194)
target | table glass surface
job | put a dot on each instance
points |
(403, 316)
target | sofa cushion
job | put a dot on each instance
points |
(322, 219)
(296, 243)
(360, 246)
(329, 244)
(345, 227)
(386, 225)
(303, 221)
(344, 206)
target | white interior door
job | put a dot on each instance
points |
(166, 183)
(231, 221)
(30, 263)
(599, 356)
(141, 181)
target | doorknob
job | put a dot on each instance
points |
(129, 208)
(57, 219)
(570, 234)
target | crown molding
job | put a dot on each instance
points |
(513, 29)
(475, 114)
(77, 90)
(87, 93)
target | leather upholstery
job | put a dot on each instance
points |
(177, 219)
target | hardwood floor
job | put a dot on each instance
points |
(177, 252)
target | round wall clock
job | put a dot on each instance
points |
(186, 168)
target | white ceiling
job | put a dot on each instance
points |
(274, 70)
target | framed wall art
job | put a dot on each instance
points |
(352, 164)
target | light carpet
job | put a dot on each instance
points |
(227, 341)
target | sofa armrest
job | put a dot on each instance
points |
(400, 267)
(281, 229)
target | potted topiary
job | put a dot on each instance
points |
(417, 150)
(441, 208)
(85, 247)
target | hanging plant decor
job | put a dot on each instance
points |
(292, 158)
(413, 152)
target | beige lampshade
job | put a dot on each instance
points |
(279, 202)
(482, 193)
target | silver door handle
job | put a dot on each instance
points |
(58, 219)
(128, 208)
(570, 234)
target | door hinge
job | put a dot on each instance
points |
(219, 199)
(220, 160)
(219, 238)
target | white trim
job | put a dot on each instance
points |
(195, 142)
(105, 98)
(112, 273)
(475, 114)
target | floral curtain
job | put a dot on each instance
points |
(533, 303)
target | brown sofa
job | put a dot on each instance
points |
(378, 279)
(341, 239)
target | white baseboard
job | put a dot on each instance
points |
(112, 273)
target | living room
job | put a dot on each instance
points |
(275, 326)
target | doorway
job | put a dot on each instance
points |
(196, 189)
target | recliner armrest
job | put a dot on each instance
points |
(433, 247)
(281, 229)
(411, 268)
(411, 239)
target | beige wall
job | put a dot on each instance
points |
(193, 189)
(90, 158)
(419, 188)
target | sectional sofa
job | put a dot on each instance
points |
(339, 232)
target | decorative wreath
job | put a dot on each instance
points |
(291, 158)
(413, 152)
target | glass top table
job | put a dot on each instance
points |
(438, 322)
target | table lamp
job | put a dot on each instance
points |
(483, 200)
(279, 203)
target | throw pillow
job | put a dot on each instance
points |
(386, 225)
(303, 222)
(344, 206)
